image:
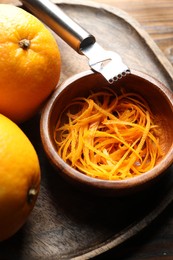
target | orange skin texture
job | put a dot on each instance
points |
(27, 76)
(19, 175)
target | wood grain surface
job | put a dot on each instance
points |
(156, 241)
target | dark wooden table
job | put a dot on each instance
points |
(155, 241)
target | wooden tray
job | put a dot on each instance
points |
(69, 224)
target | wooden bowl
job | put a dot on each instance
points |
(160, 99)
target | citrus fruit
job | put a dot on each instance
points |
(19, 177)
(29, 63)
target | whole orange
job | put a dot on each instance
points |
(29, 63)
(19, 177)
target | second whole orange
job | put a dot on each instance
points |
(29, 63)
(19, 178)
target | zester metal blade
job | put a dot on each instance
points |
(108, 63)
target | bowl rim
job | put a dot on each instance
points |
(66, 169)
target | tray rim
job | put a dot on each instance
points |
(129, 231)
(134, 228)
(159, 55)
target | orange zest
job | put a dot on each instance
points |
(107, 136)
